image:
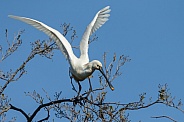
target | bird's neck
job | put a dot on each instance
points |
(89, 67)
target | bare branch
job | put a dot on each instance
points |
(19, 110)
(21, 69)
(46, 118)
(12, 47)
(48, 104)
(164, 117)
(4, 110)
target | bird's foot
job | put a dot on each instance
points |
(77, 100)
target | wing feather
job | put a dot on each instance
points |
(100, 18)
(60, 40)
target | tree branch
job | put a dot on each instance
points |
(46, 118)
(4, 110)
(20, 110)
(164, 117)
(21, 68)
(48, 104)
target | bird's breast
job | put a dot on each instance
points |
(80, 74)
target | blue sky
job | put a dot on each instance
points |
(150, 32)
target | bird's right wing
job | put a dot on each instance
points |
(100, 18)
(60, 40)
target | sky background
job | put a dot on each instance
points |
(150, 32)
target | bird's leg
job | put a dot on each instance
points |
(80, 87)
(73, 88)
(90, 86)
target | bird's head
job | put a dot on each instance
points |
(97, 65)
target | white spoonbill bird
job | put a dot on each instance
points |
(80, 68)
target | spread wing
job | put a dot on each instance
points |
(60, 40)
(100, 18)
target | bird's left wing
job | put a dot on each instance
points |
(100, 18)
(60, 40)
